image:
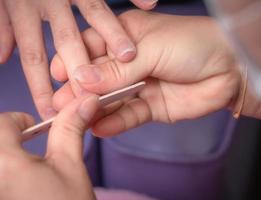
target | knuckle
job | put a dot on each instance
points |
(32, 56)
(44, 94)
(64, 35)
(42, 99)
(52, 13)
(15, 4)
(93, 7)
(68, 129)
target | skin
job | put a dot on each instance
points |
(166, 49)
(189, 68)
(28, 177)
(20, 21)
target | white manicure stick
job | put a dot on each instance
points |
(104, 100)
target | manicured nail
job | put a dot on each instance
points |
(85, 111)
(126, 51)
(88, 74)
(150, 2)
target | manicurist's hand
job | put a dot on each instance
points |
(189, 69)
(61, 174)
(24, 19)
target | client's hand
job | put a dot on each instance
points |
(185, 60)
(61, 175)
(21, 20)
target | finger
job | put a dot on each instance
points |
(11, 125)
(67, 38)
(28, 33)
(92, 41)
(102, 19)
(63, 96)
(112, 75)
(95, 44)
(58, 70)
(132, 114)
(6, 34)
(145, 4)
(66, 135)
(149, 105)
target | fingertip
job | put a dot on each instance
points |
(77, 114)
(69, 127)
(57, 69)
(127, 55)
(145, 4)
(6, 47)
(2, 55)
(6, 35)
(126, 51)
(149, 6)
(88, 107)
(61, 99)
(12, 125)
(108, 126)
(22, 120)
(101, 79)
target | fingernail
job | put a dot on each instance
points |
(88, 74)
(85, 111)
(126, 51)
(150, 2)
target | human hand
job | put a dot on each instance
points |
(26, 17)
(61, 174)
(6, 34)
(189, 69)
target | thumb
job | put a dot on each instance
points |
(66, 135)
(112, 75)
(11, 125)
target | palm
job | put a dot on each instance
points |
(189, 79)
(187, 101)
